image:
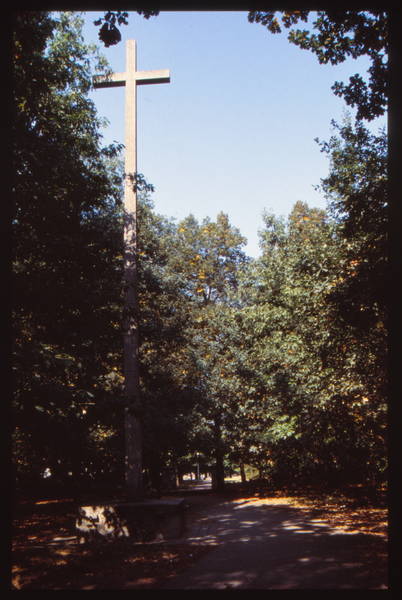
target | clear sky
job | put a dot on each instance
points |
(234, 129)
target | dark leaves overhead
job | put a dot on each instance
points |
(109, 34)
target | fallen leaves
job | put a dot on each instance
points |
(37, 565)
(106, 566)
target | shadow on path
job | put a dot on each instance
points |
(265, 547)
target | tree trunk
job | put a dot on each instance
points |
(220, 473)
(133, 456)
(77, 480)
(243, 474)
(260, 477)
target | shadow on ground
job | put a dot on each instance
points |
(261, 547)
(234, 541)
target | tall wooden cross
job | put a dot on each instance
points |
(130, 79)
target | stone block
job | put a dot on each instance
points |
(143, 522)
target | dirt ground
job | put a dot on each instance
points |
(38, 565)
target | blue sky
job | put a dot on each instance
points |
(234, 129)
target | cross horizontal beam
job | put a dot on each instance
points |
(141, 78)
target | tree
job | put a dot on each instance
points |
(280, 322)
(313, 383)
(279, 363)
(343, 34)
(356, 191)
(166, 382)
(300, 410)
(64, 250)
(209, 257)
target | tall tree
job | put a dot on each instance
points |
(60, 181)
(279, 319)
(166, 375)
(356, 191)
(313, 395)
(209, 257)
(68, 265)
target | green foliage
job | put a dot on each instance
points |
(168, 397)
(277, 363)
(309, 395)
(68, 278)
(208, 257)
(65, 267)
(357, 192)
(280, 332)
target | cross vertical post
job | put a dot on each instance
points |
(132, 422)
(133, 447)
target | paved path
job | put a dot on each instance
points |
(202, 484)
(265, 547)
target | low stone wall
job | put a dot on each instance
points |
(146, 521)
